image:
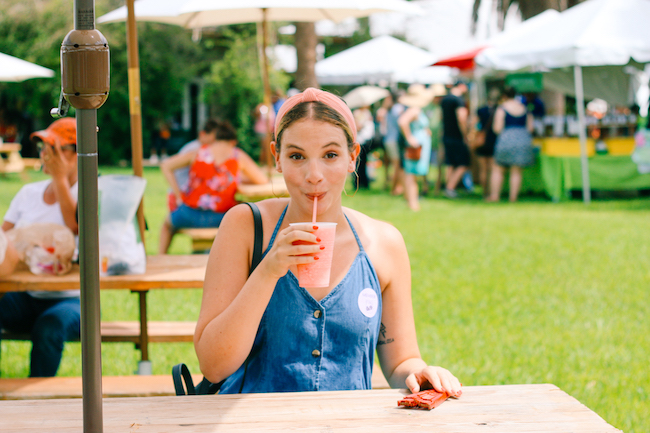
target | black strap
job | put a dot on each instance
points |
(180, 372)
(257, 258)
(259, 237)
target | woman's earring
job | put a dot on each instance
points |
(356, 182)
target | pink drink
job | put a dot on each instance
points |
(317, 273)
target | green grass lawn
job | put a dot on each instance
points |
(532, 292)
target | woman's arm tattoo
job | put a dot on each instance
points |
(382, 336)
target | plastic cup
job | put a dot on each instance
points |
(317, 273)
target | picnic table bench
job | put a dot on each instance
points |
(10, 159)
(202, 238)
(36, 388)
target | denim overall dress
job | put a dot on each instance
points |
(307, 345)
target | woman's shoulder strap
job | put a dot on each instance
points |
(259, 237)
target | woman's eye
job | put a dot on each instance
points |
(331, 155)
(295, 156)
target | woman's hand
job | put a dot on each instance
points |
(412, 141)
(294, 245)
(57, 165)
(437, 378)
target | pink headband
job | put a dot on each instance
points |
(310, 95)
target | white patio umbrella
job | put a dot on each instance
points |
(593, 33)
(378, 59)
(196, 14)
(13, 69)
(427, 75)
(364, 96)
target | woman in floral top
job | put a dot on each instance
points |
(216, 168)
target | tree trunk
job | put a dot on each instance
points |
(530, 8)
(305, 42)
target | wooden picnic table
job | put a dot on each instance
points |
(504, 408)
(275, 188)
(10, 159)
(162, 272)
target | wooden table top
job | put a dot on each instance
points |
(10, 147)
(504, 408)
(163, 272)
(276, 188)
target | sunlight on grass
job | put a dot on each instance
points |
(535, 292)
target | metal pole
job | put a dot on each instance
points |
(580, 106)
(91, 364)
(135, 104)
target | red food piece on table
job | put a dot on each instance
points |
(428, 399)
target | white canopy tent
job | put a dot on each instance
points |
(593, 33)
(13, 69)
(378, 60)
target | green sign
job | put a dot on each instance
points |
(526, 82)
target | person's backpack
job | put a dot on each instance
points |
(183, 383)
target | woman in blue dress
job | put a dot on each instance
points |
(263, 332)
(514, 149)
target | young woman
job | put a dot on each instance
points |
(514, 149)
(215, 170)
(414, 125)
(262, 332)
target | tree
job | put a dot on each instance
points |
(33, 30)
(305, 43)
(528, 8)
(235, 84)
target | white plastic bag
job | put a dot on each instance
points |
(47, 248)
(121, 250)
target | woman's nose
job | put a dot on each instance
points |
(314, 172)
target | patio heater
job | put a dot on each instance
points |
(85, 85)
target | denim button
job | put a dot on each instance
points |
(315, 353)
(317, 313)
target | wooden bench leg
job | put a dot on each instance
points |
(144, 366)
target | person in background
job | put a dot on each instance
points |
(51, 317)
(514, 150)
(366, 133)
(215, 171)
(414, 126)
(486, 139)
(264, 117)
(182, 174)
(454, 136)
(261, 332)
(278, 99)
(388, 116)
(160, 139)
(536, 107)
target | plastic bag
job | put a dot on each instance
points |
(121, 250)
(46, 248)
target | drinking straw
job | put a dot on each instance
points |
(313, 217)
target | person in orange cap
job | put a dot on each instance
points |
(52, 317)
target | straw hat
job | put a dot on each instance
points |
(419, 96)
